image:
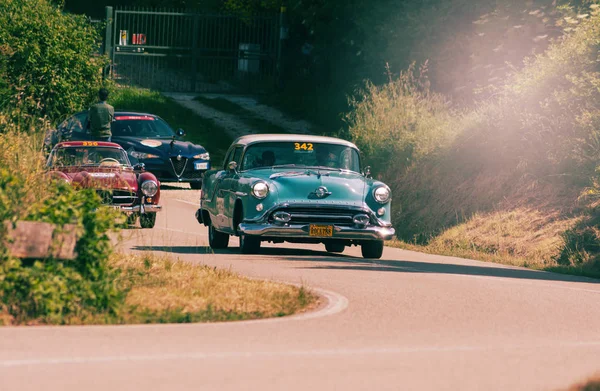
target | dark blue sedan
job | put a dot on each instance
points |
(147, 139)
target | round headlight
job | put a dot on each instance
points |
(381, 194)
(260, 190)
(149, 188)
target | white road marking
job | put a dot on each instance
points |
(283, 354)
(188, 202)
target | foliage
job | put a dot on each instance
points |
(404, 110)
(533, 144)
(52, 291)
(49, 62)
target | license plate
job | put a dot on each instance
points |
(201, 166)
(320, 230)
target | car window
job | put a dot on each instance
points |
(141, 126)
(237, 155)
(85, 156)
(307, 154)
(228, 158)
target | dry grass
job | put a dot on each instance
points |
(161, 287)
(520, 237)
(592, 384)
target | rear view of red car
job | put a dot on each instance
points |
(105, 167)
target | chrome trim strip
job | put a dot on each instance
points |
(364, 209)
(137, 208)
(184, 166)
(301, 231)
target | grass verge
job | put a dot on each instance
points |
(162, 290)
(590, 385)
(199, 130)
(521, 237)
(244, 115)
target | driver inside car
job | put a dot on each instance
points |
(267, 159)
(326, 158)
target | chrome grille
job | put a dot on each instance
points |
(123, 197)
(342, 217)
(178, 165)
(117, 197)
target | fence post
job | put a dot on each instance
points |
(108, 42)
(282, 36)
(195, 51)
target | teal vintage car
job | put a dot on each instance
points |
(295, 188)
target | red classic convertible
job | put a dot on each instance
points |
(105, 167)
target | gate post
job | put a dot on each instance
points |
(195, 51)
(108, 43)
(282, 36)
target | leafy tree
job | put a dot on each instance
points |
(50, 62)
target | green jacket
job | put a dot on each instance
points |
(101, 116)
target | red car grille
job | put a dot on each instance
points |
(117, 197)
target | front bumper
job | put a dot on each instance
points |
(148, 208)
(370, 232)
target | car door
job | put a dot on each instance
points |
(226, 193)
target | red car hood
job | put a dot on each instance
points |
(102, 178)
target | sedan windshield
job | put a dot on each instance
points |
(86, 156)
(301, 154)
(141, 126)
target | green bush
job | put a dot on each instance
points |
(53, 291)
(48, 65)
(400, 122)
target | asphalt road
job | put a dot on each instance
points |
(409, 321)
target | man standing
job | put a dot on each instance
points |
(101, 116)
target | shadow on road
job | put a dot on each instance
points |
(266, 251)
(327, 261)
(445, 268)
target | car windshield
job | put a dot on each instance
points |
(86, 156)
(141, 126)
(301, 154)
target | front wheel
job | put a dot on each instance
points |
(216, 239)
(249, 244)
(147, 220)
(372, 249)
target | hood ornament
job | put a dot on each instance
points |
(322, 192)
(178, 158)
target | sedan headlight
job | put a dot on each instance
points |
(381, 194)
(142, 155)
(149, 188)
(203, 156)
(260, 190)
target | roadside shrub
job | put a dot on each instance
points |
(53, 291)
(48, 65)
(400, 122)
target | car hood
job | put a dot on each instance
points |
(297, 186)
(103, 178)
(164, 147)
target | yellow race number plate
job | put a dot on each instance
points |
(320, 230)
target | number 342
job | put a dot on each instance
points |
(303, 146)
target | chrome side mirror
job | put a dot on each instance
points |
(367, 172)
(232, 167)
(139, 167)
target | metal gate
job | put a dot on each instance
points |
(193, 52)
